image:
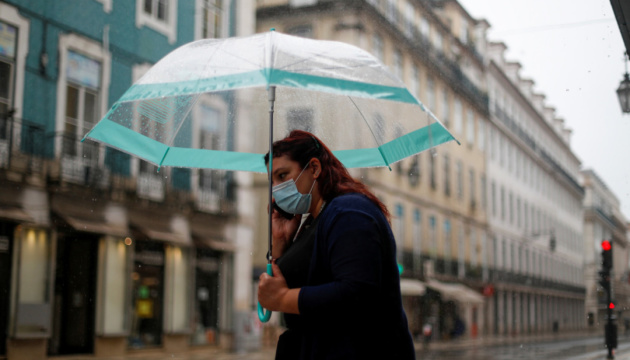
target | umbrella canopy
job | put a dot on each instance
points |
(191, 106)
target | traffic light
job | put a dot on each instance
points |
(607, 258)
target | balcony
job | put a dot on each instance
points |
(81, 163)
(22, 145)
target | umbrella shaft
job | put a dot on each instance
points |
(272, 98)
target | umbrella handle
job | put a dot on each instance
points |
(264, 317)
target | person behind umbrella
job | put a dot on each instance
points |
(335, 277)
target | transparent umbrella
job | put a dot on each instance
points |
(337, 91)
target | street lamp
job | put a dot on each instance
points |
(623, 91)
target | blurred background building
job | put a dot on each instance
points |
(102, 254)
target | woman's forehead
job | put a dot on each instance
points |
(283, 162)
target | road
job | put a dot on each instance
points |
(588, 348)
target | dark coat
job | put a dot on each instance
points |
(352, 306)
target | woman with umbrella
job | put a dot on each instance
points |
(335, 275)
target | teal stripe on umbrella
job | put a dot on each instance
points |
(266, 78)
(129, 141)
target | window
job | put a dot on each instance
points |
(502, 203)
(432, 165)
(398, 64)
(424, 27)
(461, 253)
(430, 92)
(447, 176)
(433, 235)
(14, 32)
(493, 198)
(460, 180)
(437, 41)
(470, 127)
(481, 135)
(447, 240)
(213, 22)
(160, 15)
(463, 34)
(417, 240)
(445, 107)
(511, 208)
(392, 11)
(409, 18)
(8, 34)
(457, 117)
(473, 190)
(83, 83)
(484, 192)
(82, 87)
(415, 81)
(377, 47)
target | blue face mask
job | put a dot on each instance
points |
(290, 199)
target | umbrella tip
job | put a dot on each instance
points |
(272, 29)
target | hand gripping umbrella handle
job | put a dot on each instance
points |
(264, 317)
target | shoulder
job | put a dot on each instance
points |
(354, 203)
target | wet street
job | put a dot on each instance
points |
(586, 348)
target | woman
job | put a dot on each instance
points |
(335, 276)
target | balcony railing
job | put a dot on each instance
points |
(22, 145)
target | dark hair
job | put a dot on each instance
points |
(334, 180)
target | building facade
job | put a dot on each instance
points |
(436, 198)
(536, 214)
(491, 228)
(603, 220)
(99, 252)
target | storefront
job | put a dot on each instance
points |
(162, 281)
(147, 276)
(7, 231)
(74, 294)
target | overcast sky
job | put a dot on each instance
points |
(573, 51)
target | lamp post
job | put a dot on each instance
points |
(623, 91)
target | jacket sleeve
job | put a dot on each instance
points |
(353, 249)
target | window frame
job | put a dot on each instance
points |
(167, 28)
(11, 16)
(94, 50)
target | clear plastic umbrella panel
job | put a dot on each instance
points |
(210, 104)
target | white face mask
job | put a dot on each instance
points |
(289, 199)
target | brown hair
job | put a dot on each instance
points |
(334, 180)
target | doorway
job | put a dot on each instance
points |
(6, 241)
(75, 294)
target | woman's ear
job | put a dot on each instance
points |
(316, 167)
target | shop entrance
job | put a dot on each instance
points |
(148, 295)
(75, 294)
(6, 240)
(207, 297)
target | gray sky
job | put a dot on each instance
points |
(573, 51)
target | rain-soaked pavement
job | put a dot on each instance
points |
(579, 346)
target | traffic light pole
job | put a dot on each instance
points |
(610, 331)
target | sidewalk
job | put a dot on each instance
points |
(268, 352)
(491, 340)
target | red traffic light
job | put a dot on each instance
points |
(611, 306)
(606, 245)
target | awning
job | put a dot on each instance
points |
(214, 244)
(86, 217)
(95, 226)
(156, 227)
(456, 292)
(15, 213)
(208, 232)
(412, 287)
